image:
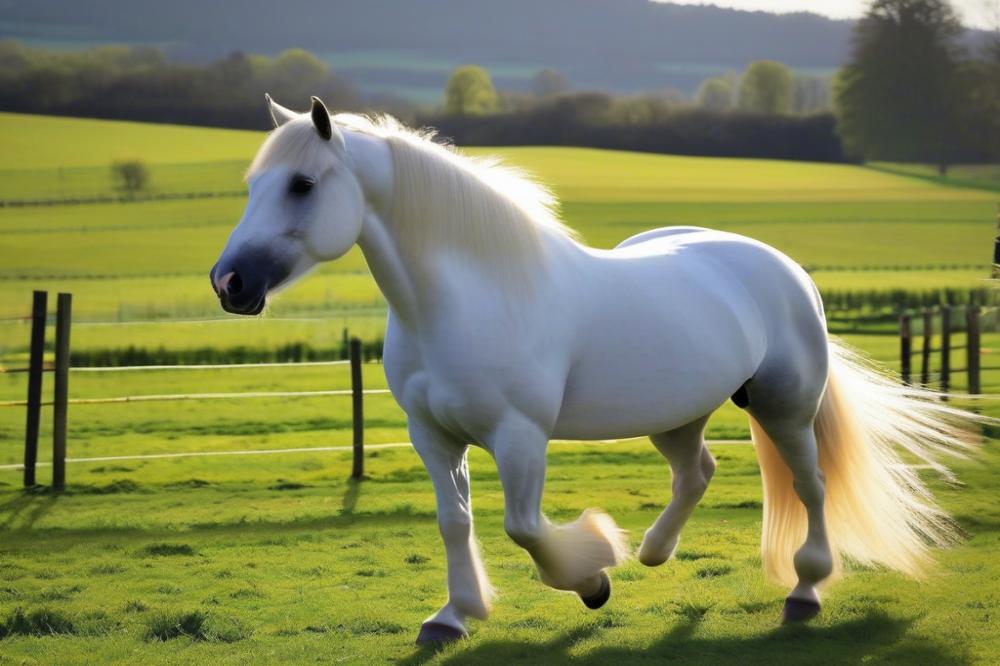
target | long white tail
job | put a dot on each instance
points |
(870, 430)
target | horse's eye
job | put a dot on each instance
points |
(301, 184)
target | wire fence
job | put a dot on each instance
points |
(61, 400)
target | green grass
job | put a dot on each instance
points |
(982, 176)
(39, 142)
(279, 558)
(207, 560)
(149, 260)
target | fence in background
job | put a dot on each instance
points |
(944, 323)
(61, 400)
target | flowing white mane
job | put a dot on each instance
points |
(441, 197)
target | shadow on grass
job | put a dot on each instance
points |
(23, 510)
(350, 499)
(21, 514)
(874, 637)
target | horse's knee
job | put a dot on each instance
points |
(525, 532)
(707, 464)
(455, 526)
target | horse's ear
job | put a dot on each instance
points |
(279, 114)
(321, 119)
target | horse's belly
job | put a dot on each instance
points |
(662, 349)
(631, 400)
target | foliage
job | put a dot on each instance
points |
(548, 82)
(715, 94)
(898, 97)
(766, 87)
(470, 92)
(811, 94)
(980, 114)
(138, 82)
(132, 176)
(648, 124)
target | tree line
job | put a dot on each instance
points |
(138, 83)
(912, 90)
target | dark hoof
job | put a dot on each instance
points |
(436, 633)
(798, 610)
(597, 600)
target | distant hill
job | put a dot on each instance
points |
(408, 46)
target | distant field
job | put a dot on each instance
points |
(983, 176)
(150, 259)
(33, 142)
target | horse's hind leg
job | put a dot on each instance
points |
(692, 467)
(787, 419)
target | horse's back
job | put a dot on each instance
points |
(677, 319)
(764, 271)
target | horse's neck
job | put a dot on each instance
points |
(413, 285)
(371, 161)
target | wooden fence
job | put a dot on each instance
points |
(946, 324)
(61, 401)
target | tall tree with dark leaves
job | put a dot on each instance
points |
(899, 97)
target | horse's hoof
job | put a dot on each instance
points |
(799, 610)
(595, 601)
(438, 633)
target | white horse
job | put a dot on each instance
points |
(504, 331)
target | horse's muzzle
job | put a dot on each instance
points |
(242, 284)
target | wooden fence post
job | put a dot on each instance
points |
(357, 397)
(905, 347)
(945, 350)
(995, 271)
(39, 305)
(64, 315)
(972, 349)
(925, 355)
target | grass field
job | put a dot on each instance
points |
(279, 558)
(143, 260)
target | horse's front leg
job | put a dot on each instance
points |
(469, 590)
(569, 557)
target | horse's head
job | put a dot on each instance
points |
(305, 206)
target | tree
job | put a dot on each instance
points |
(715, 94)
(470, 92)
(131, 176)
(898, 97)
(810, 94)
(548, 82)
(766, 88)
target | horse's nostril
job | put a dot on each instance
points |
(235, 285)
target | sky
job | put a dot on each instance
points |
(975, 13)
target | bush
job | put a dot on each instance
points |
(130, 176)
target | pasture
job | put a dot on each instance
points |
(279, 557)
